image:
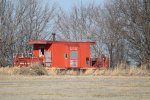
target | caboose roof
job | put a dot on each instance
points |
(50, 42)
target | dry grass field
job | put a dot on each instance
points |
(65, 87)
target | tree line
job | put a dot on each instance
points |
(120, 28)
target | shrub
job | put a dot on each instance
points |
(34, 69)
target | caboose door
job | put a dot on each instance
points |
(48, 58)
(73, 58)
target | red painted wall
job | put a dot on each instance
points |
(84, 53)
(58, 50)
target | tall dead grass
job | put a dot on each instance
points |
(52, 71)
(37, 69)
(34, 69)
(8, 70)
(124, 70)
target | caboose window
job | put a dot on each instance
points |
(87, 60)
(41, 50)
(66, 56)
(74, 55)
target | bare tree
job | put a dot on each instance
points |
(77, 25)
(135, 15)
(6, 30)
(21, 21)
(127, 28)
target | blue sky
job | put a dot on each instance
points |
(67, 4)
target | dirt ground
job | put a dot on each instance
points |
(74, 87)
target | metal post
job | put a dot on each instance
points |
(54, 38)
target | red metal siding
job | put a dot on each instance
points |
(84, 52)
(58, 50)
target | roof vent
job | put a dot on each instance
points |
(54, 38)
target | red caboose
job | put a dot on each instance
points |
(63, 54)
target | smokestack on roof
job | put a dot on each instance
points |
(54, 38)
